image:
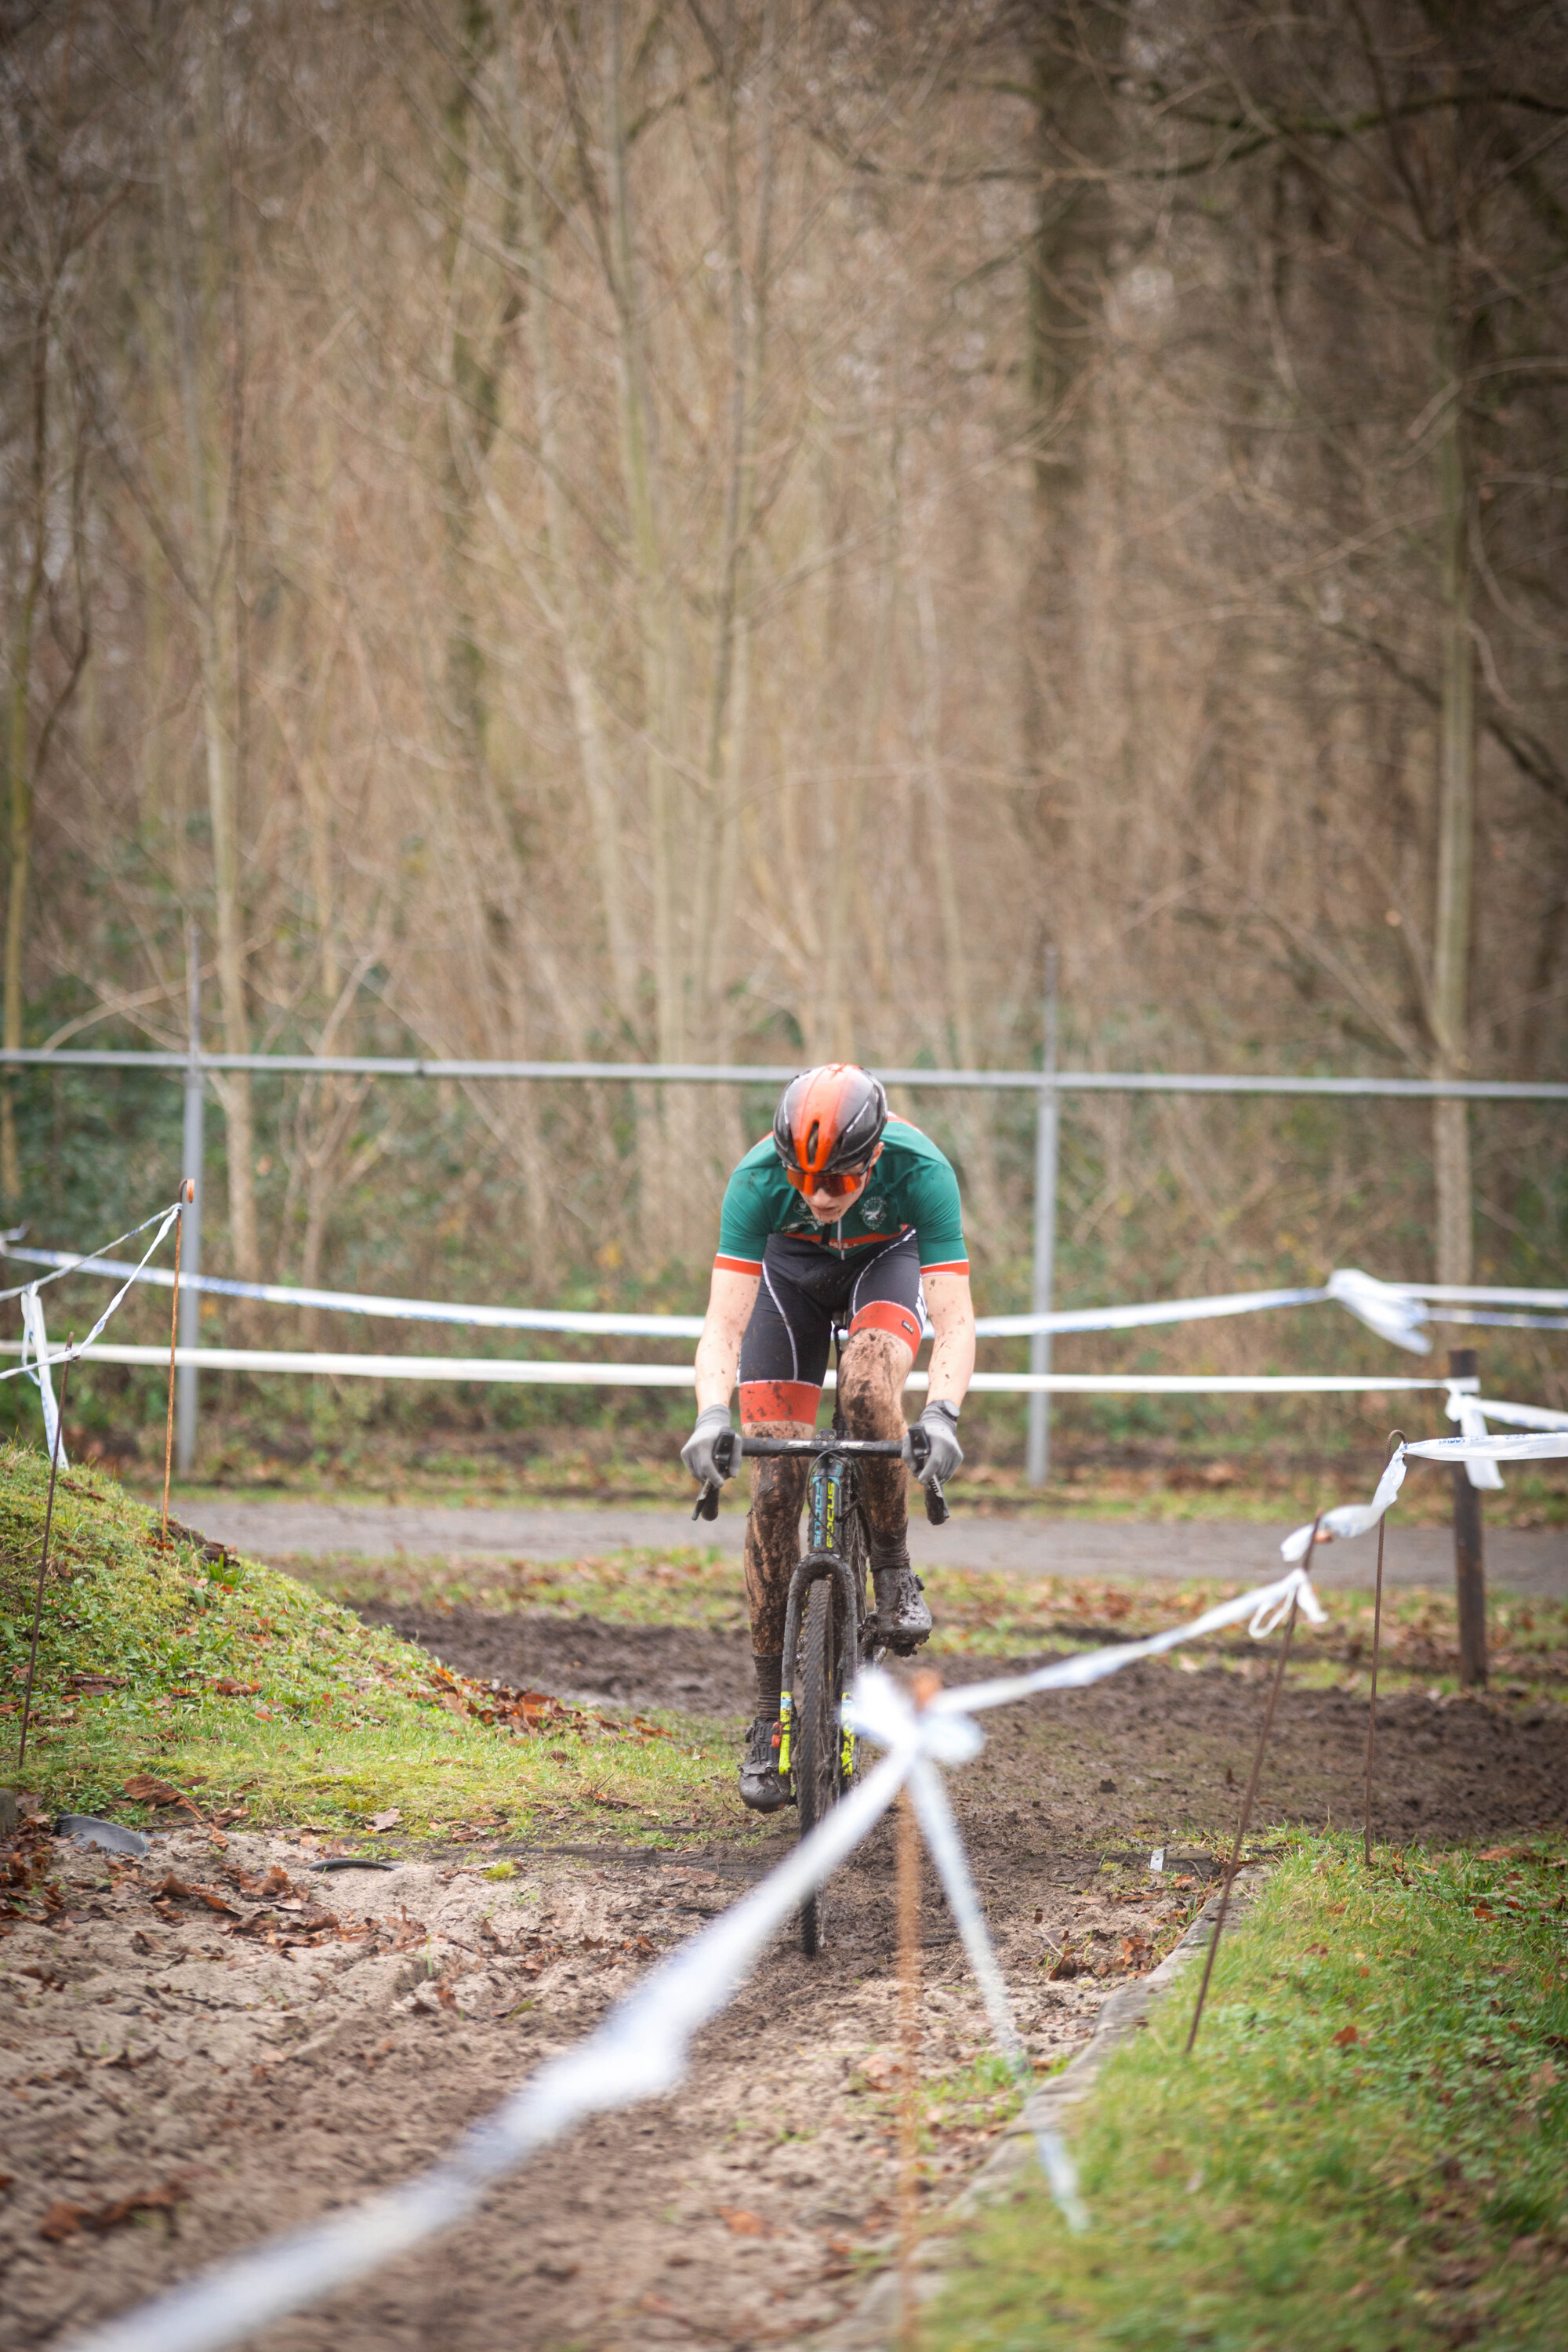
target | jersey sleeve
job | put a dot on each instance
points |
(745, 1222)
(939, 1220)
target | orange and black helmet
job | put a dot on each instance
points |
(828, 1123)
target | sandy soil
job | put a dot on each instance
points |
(184, 2079)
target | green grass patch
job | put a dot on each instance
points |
(1369, 2149)
(240, 1685)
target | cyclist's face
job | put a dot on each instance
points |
(828, 1207)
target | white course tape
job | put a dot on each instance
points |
(640, 2050)
(1549, 1446)
(1482, 1472)
(1360, 1519)
(35, 1344)
(547, 1372)
(1265, 1608)
(1518, 1416)
(66, 1264)
(411, 1310)
(1350, 1519)
(68, 1355)
(1393, 1310)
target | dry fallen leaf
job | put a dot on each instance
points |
(743, 2224)
(387, 1821)
(145, 1789)
(61, 2222)
(1345, 2036)
(227, 1687)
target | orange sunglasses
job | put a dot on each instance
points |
(845, 1181)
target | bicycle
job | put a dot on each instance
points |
(829, 1627)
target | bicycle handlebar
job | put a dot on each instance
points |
(730, 1448)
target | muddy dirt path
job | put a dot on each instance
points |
(237, 2070)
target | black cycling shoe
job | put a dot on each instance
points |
(902, 1620)
(762, 1785)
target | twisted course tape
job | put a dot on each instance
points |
(1360, 1519)
(1394, 1310)
(547, 1372)
(640, 2050)
(37, 1341)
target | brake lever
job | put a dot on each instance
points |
(725, 1448)
(919, 1449)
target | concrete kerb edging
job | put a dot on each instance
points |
(873, 2326)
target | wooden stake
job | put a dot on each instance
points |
(43, 1564)
(1395, 1439)
(187, 1194)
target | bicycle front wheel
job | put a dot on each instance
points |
(818, 1771)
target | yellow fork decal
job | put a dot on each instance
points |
(784, 1705)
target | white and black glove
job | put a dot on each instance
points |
(943, 1453)
(701, 1451)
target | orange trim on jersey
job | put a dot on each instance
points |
(722, 1264)
(830, 1240)
(887, 1314)
(779, 1400)
(948, 1266)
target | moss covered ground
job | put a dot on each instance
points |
(1368, 2149)
(246, 1690)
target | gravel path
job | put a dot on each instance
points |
(1518, 1560)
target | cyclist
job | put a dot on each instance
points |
(842, 1215)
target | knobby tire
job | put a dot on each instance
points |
(816, 1781)
(824, 1672)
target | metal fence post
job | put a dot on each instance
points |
(190, 1218)
(1470, 1560)
(1037, 1456)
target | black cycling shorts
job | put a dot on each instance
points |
(808, 1288)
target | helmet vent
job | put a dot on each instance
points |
(811, 1143)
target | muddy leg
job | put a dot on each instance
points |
(772, 1535)
(871, 1376)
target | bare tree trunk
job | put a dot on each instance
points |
(669, 1211)
(216, 691)
(562, 602)
(1455, 848)
(16, 758)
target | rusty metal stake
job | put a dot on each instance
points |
(923, 1689)
(1395, 1439)
(909, 2043)
(43, 1564)
(187, 1194)
(1246, 1806)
